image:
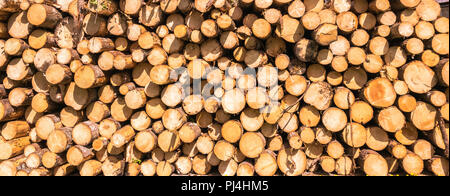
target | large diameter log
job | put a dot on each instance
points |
(380, 93)
(319, 95)
(65, 31)
(43, 15)
(18, 25)
(373, 163)
(291, 162)
(325, 34)
(13, 147)
(419, 77)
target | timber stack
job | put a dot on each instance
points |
(223, 87)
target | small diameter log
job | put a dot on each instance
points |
(439, 44)
(140, 121)
(89, 76)
(15, 129)
(397, 150)
(361, 112)
(95, 25)
(64, 170)
(31, 116)
(252, 144)
(437, 138)
(15, 47)
(106, 59)
(103, 7)
(90, 168)
(130, 7)
(84, 133)
(58, 74)
(13, 147)
(391, 119)
(145, 141)
(46, 124)
(100, 143)
(296, 85)
(407, 135)
(77, 155)
(347, 21)
(169, 141)
(113, 166)
(360, 37)
(173, 119)
(100, 44)
(327, 164)
(423, 149)
(52, 160)
(43, 15)
(266, 164)
(373, 163)
(428, 10)
(438, 165)
(306, 50)
(122, 136)
(334, 119)
(136, 98)
(60, 140)
(311, 20)
(44, 58)
(34, 160)
(41, 102)
(423, 116)
(76, 97)
(354, 135)
(412, 164)
(204, 144)
(19, 70)
(20, 96)
(343, 98)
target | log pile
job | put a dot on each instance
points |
(223, 87)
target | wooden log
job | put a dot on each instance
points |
(15, 129)
(18, 25)
(380, 93)
(43, 15)
(89, 76)
(391, 119)
(77, 155)
(13, 147)
(338, 120)
(100, 44)
(413, 164)
(130, 7)
(291, 162)
(427, 80)
(373, 163)
(103, 7)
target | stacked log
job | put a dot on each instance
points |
(201, 87)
